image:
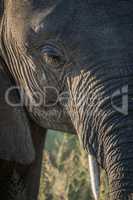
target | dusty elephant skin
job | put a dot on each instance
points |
(73, 61)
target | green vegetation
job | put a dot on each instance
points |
(65, 173)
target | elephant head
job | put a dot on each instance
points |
(73, 62)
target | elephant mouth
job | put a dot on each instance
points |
(52, 117)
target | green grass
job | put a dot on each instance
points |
(65, 174)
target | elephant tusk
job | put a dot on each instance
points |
(94, 176)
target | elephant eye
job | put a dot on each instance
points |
(53, 56)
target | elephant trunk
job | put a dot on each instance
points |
(112, 118)
(118, 152)
(113, 143)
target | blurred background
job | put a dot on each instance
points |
(65, 171)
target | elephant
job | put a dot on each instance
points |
(71, 64)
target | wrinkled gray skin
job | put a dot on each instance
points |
(85, 49)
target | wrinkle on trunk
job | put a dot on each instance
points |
(118, 156)
(113, 136)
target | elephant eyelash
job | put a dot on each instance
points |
(52, 59)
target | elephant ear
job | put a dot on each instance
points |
(15, 134)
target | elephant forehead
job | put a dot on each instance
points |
(57, 12)
(70, 20)
(84, 25)
(53, 22)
